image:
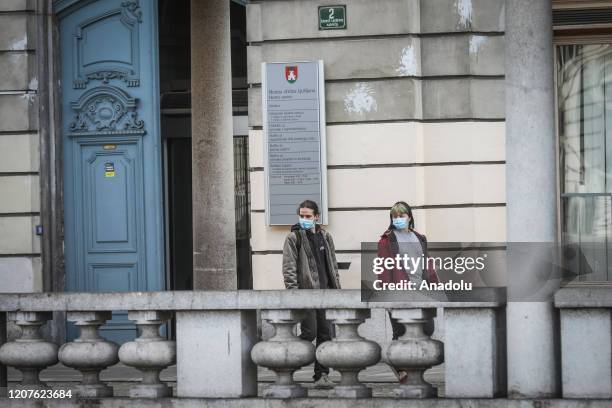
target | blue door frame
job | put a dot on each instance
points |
(113, 202)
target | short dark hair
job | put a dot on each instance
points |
(309, 204)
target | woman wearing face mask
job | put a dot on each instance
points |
(401, 238)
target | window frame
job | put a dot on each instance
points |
(584, 39)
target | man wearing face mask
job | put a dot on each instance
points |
(309, 262)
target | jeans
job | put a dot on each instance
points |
(314, 326)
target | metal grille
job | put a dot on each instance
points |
(241, 186)
(581, 17)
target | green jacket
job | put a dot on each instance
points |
(300, 267)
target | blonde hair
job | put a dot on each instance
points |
(399, 209)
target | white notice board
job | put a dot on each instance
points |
(295, 165)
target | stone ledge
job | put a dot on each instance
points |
(305, 403)
(584, 297)
(234, 300)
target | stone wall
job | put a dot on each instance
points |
(415, 112)
(20, 265)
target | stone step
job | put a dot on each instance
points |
(379, 377)
(120, 372)
(121, 388)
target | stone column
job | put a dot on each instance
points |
(3, 371)
(199, 333)
(214, 227)
(531, 188)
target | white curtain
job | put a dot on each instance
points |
(585, 128)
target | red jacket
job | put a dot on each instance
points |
(388, 248)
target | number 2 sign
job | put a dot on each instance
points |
(332, 17)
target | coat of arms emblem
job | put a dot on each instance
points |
(291, 74)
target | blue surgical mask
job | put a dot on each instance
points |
(400, 223)
(306, 224)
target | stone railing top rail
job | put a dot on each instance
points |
(584, 296)
(235, 300)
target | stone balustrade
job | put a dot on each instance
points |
(29, 353)
(217, 350)
(90, 353)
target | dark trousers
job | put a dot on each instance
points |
(314, 326)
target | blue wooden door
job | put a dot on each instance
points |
(111, 145)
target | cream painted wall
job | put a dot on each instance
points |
(20, 262)
(404, 142)
(381, 187)
(351, 228)
(17, 237)
(457, 167)
(27, 269)
(19, 153)
(21, 194)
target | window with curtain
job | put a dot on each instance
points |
(584, 95)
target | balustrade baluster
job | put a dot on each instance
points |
(149, 353)
(29, 353)
(283, 353)
(415, 352)
(90, 353)
(348, 352)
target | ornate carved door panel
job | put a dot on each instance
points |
(112, 157)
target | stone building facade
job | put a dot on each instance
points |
(415, 112)
(417, 95)
(450, 105)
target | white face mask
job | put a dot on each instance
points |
(400, 222)
(306, 224)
